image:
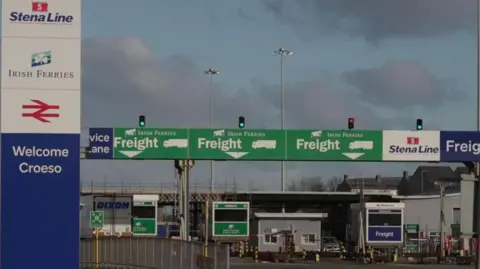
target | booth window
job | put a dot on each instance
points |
(308, 239)
(456, 215)
(270, 236)
(270, 239)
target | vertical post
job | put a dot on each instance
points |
(476, 206)
(282, 115)
(187, 199)
(180, 205)
(97, 249)
(212, 105)
(442, 238)
(205, 247)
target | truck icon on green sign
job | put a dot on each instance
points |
(177, 143)
(267, 144)
(368, 145)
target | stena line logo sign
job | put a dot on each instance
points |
(40, 14)
(411, 146)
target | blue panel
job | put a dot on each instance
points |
(384, 234)
(40, 201)
(101, 143)
(460, 146)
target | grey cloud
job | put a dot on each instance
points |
(122, 79)
(376, 20)
(401, 84)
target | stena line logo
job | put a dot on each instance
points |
(40, 14)
(413, 145)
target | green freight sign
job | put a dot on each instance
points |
(234, 144)
(316, 145)
(148, 143)
(230, 219)
(144, 226)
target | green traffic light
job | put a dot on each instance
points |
(419, 127)
(242, 125)
(142, 123)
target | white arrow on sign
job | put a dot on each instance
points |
(237, 155)
(352, 155)
(131, 154)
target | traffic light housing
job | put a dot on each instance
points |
(419, 124)
(241, 122)
(141, 121)
(351, 123)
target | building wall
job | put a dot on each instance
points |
(425, 210)
(301, 226)
(117, 220)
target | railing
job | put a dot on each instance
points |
(146, 252)
(148, 187)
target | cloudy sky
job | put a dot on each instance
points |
(385, 63)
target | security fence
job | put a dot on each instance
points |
(146, 252)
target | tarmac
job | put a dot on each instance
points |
(335, 263)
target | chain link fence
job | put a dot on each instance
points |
(145, 252)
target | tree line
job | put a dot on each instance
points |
(314, 184)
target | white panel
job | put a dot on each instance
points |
(41, 63)
(13, 119)
(411, 146)
(47, 18)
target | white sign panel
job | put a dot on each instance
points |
(45, 18)
(411, 146)
(41, 63)
(40, 111)
(385, 205)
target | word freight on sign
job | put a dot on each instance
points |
(385, 235)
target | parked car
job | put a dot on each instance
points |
(330, 244)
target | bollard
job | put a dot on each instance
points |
(317, 256)
(256, 255)
(240, 250)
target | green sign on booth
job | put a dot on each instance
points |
(231, 219)
(144, 226)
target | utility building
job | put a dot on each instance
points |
(279, 230)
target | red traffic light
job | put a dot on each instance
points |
(351, 123)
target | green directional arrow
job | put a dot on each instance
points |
(234, 144)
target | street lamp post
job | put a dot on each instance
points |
(211, 72)
(282, 52)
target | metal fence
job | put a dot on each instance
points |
(145, 252)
